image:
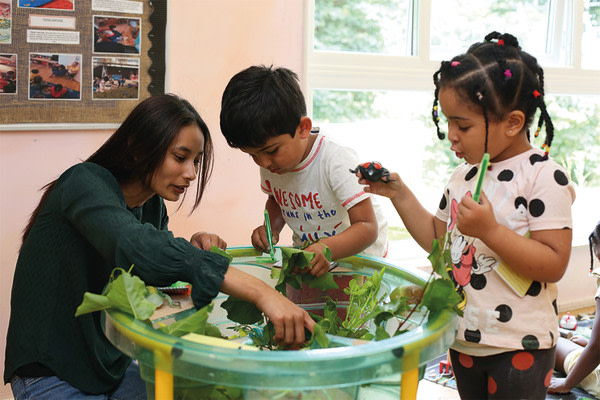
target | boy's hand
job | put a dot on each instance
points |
(205, 240)
(388, 189)
(319, 265)
(260, 240)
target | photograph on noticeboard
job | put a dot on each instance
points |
(115, 78)
(8, 74)
(48, 4)
(120, 35)
(54, 76)
(5, 22)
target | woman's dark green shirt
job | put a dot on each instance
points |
(85, 230)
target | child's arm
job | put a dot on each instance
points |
(423, 226)
(587, 362)
(259, 235)
(361, 233)
(542, 257)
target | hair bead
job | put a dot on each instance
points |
(536, 94)
(507, 74)
(455, 63)
(500, 42)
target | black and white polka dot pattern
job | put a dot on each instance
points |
(528, 193)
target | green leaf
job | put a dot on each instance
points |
(241, 311)
(291, 258)
(319, 339)
(381, 333)
(92, 302)
(215, 249)
(440, 294)
(128, 294)
(195, 323)
(322, 282)
(438, 258)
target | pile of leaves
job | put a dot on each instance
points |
(367, 312)
(129, 294)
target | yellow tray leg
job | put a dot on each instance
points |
(409, 381)
(163, 381)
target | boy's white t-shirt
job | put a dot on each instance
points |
(315, 197)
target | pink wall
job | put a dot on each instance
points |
(208, 42)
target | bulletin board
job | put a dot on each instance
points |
(79, 63)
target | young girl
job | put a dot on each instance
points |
(509, 249)
(579, 358)
(109, 212)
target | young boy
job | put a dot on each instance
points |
(306, 176)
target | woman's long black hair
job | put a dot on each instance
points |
(139, 146)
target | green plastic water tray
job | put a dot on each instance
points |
(180, 369)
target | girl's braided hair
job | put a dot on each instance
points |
(499, 77)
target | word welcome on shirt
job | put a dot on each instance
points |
(295, 200)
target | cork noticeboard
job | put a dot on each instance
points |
(78, 63)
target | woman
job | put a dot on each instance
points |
(109, 212)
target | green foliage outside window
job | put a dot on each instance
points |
(355, 26)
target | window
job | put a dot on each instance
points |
(368, 83)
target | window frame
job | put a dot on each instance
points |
(364, 71)
(330, 70)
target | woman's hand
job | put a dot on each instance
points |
(260, 241)
(205, 240)
(288, 319)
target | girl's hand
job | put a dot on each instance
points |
(473, 219)
(205, 240)
(260, 241)
(288, 319)
(319, 265)
(558, 386)
(580, 340)
(388, 189)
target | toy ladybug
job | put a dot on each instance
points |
(373, 171)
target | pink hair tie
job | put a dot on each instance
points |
(455, 63)
(507, 74)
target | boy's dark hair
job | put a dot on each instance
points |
(261, 102)
(498, 77)
(594, 241)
